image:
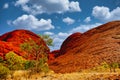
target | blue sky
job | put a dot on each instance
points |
(57, 18)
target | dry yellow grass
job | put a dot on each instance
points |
(67, 76)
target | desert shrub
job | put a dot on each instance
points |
(101, 68)
(29, 64)
(14, 62)
(1, 60)
(119, 65)
(43, 65)
(39, 53)
(4, 71)
(113, 66)
(107, 66)
(45, 68)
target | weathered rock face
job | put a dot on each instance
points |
(19, 36)
(69, 43)
(66, 46)
(101, 44)
(55, 52)
(52, 55)
(11, 41)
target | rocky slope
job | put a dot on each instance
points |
(83, 51)
(11, 41)
(70, 43)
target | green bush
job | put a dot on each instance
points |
(102, 67)
(45, 68)
(1, 60)
(105, 66)
(43, 65)
(113, 66)
(29, 64)
(4, 71)
(14, 62)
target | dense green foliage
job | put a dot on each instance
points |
(47, 39)
(1, 60)
(14, 62)
(4, 71)
(27, 47)
(107, 66)
(43, 64)
(113, 66)
(34, 50)
(39, 54)
(29, 64)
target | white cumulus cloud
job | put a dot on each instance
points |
(58, 39)
(85, 27)
(68, 20)
(48, 6)
(74, 6)
(49, 33)
(6, 5)
(32, 23)
(87, 19)
(104, 14)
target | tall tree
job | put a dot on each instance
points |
(37, 52)
(47, 39)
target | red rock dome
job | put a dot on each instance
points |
(68, 43)
(11, 41)
(90, 49)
